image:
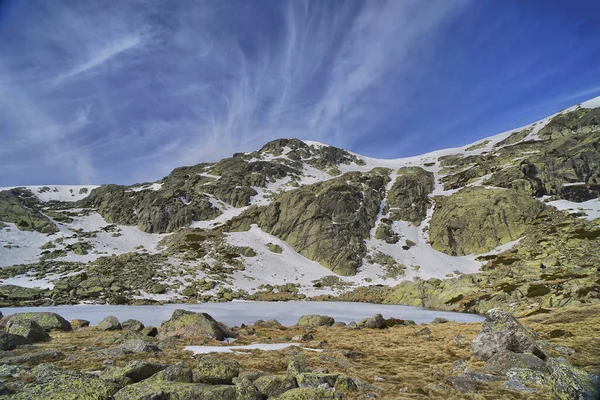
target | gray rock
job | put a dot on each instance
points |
(569, 382)
(175, 373)
(29, 329)
(468, 382)
(134, 371)
(7, 371)
(48, 320)
(132, 325)
(110, 323)
(9, 341)
(138, 346)
(352, 325)
(305, 337)
(190, 324)
(527, 376)
(245, 389)
(34, 358)
(272, 323)
(502, 362)
(375, 322)
(501, 332)
(565, 351)
(439, 320)
(516, 386)
(274, 385)
(423, 331)
(215, 371)
(315, 320)
(150, 331)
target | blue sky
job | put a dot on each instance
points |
(118, 91)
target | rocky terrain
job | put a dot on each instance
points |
(511, 221)
(44, 356)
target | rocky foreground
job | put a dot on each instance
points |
(555, 356)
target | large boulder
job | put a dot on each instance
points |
(274, 385)
(504, 361)
(245, 389)
(48, 320)
(308, 394)
(9, 341)
(110, 323)
(476, 219)
(500, 333)
(569, 382)
(190, 324)
(315, 320)
(52, 383)
(134, 371)
(375, 322)
(28, 329)
(138, 346)
(215, 371)
(132, 325)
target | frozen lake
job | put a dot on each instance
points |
(246, 312)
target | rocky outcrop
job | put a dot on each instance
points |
(22, 208)
(408, 198)
(476, 220)
(28, 329)
(326, 222)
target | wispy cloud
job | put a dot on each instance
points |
(126, 91)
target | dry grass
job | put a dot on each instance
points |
(412, 367)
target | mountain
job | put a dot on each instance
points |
(510, 221)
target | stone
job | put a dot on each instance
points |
(132, 325)
(134, 371)
(110, 323)
(54, 384)
(272, 323)
(215, 371)
(375, 322)
(48, 320)
(150, 331)
(305, 337)
(504, 361)
(569, 382)
(423, 331)
(274, 385)
(138, 346)
(501, 332)
(29, 329)
(150, 389)
(10, 342)
(527, 376)
(390, 322)
(439, 320)
(79, 323)
(469, 381)
(315, 320)
(190, 324)
(565, 351)
(245, 389)
(34, 358)
(516, 386)
(307, 394)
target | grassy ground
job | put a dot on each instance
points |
(412, 366)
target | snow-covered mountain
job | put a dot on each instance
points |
(299, 218)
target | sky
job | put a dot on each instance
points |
(123, 91)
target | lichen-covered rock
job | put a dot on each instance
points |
(516, 386)
(245, 389)
(569, 382)
(150, 331)
(34, 358)
(274, 385)
(54, 384)
(10, 342)
(476, 220)
(109, 323)
(308, 394)
(215, 371)
(501, 332)
(29, 329)
(375, 322)
(139, 346)
(134, 371)
(408, 198)
(190, 324)
(154, 389)
(525, 375)
(504, 361)
(47, 320)
(132, 325)
(469, 381)
(19, 293)
(315, 320)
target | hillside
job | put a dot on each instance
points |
(511, 221)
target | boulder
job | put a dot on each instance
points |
(516, 386)
(274, 385)
(48, 320)
(524, 375)
(245, 389)
(134, 371)
(150, 331)
(569, 382)
(504, 361)
(29, 329)
(307, 394)
(19, 293)
(215, 371)
(79, 323)
(110, 323)
(138, 346)
(34, 358)
(52, 383)
(501, 332)
(315, 320)
(375, 322)
(132, 325)
(190, 324)
(469, 381)
(9, 341)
